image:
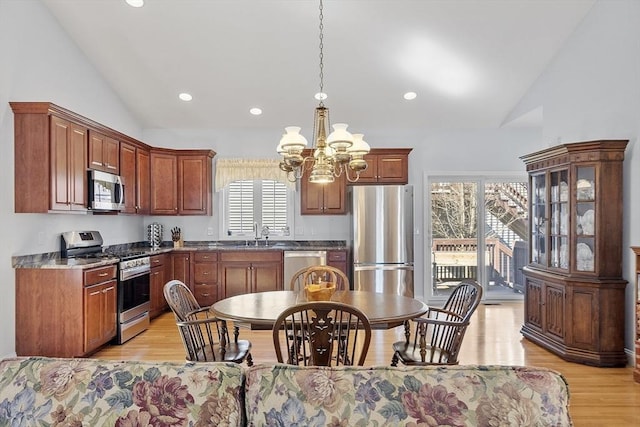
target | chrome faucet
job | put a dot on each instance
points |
(256, 231)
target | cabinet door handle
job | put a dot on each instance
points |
(103, 274)
(94, 293)
(156, 273)
(205, 295)
(110, 288)
(206, 273)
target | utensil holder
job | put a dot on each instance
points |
(154, 234)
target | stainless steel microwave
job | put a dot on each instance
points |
(106, 191)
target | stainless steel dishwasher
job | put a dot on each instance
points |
(297, 260)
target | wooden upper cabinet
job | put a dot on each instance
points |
(386, 166)
(181, 182)
(68, 166)
(104, 153)
(143, 181)
(128, 174)
(194, 185)
(164, 183)
(322, 199)
(55, 147)
(134, 168)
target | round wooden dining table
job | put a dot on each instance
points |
(262, 308)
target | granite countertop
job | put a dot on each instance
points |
(53, 260)
(64, 263)
(249, 245)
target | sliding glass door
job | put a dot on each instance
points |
(478, 230)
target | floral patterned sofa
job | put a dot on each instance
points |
(88, 392)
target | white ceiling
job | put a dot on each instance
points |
(469, 61)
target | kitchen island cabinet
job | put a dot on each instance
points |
(243, 272)
(67, 312)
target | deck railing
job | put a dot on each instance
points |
(457, 259)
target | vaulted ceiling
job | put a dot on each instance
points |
(468, 61)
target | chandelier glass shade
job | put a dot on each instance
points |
(339, 152)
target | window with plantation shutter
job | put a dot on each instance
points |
(262, 202)
(240, 207)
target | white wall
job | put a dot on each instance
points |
(38, 62)
(592, 91)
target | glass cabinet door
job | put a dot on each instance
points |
(559, 219)
(538, 219)
(585, 221)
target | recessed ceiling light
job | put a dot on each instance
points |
(255, 111)
(320, 96)
(185, 96)
(410, 95)
(135, 3)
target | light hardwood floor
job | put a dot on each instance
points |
(599, 396)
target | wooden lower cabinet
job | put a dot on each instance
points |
(157, 279)
(244, 272)
(64, 312)
(205, 277)
(581, 321)
(339, 259)
(100, 308)
(181, 267)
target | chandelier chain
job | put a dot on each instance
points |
(332, 156)
(321, 45)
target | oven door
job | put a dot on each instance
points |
(133, 292)
(133, 306)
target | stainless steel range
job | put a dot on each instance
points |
(133, 294)
(133, 279)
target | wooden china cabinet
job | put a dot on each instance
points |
(636, 370)
(574, 290)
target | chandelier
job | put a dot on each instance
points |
(339, 152)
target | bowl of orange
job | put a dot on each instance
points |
(320, 291)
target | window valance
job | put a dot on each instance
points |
(229, 170)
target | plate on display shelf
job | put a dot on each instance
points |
(584, 257)
(587, 222)
(585, 189)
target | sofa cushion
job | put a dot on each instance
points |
(418, 396)
(90, 392)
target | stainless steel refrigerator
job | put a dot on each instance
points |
(382, 238)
